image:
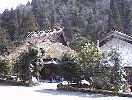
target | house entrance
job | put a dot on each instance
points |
(48, 71)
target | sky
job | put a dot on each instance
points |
(7, 4)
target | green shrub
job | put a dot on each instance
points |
(5, 67)
(69, 68)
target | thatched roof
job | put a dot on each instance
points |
(50, 44)
(56, 50)
(53, 50)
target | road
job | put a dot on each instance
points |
(47, 91)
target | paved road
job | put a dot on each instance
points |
(47, 91)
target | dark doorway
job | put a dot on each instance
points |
(47, 71)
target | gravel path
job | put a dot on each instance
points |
(47, 91)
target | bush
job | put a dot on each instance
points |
(118, 73)
(114, 88)
(69, 68)
(27, 63)
(88, 60)
(5, 67)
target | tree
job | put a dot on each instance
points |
(126, 15)
(28, 24)
(114, 21)
(25, 64)
(39, 11)
(69, 68)
(5, 67)
(21, 66)
(118, 74)
(74, 22)
(88, 59)
(53, 13)
(92, 27)
(77, 42)
(3, 42)
(10, 23)
(28, 63)
(45, 13)
(5, 19)
(93, 31)
(13, 28)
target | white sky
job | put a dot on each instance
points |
(7, 4)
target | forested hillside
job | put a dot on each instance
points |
(83, 20)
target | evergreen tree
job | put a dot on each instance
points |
(93, 32)
(88, 59)
(53, 13)
(28, 4)
(5, 19)
(118, 74)
(3, 42)
(10, 23)
(126, 15)
(74, 22)
(28, 24)
(114, 21)
(25, 64)
(78, 41)
(13, 28)
(44, 13)
(69, 68)
(5, 67)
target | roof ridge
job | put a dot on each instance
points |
(118, 34)
(121, 33)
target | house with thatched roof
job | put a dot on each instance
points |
(54, 44)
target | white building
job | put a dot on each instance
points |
(121, 42)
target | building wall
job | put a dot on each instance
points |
(123, 47)
(125, 50)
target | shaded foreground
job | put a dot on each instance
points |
(48, 91)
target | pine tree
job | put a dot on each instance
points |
(10, 23)
(13, 28)
(53, 13)
(78, 41)
(5, 19)
(2, 40)
(44, 13)
(92, 29)
(114, 21)
(28, 24)
(126, 15)
(74, 22)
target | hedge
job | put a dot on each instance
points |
(13, 83)
(88, 90)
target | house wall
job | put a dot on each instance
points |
(124, 48)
